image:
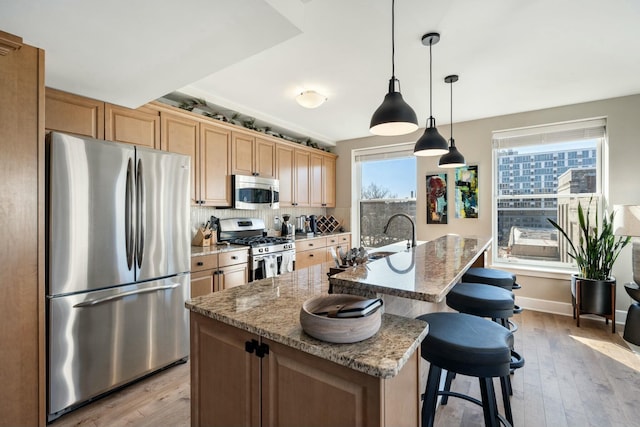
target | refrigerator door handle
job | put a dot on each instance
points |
(129, 215)
(140, 212)
(97, 301)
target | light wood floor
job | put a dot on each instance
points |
(572, 377)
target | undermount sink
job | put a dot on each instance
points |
(378, 255)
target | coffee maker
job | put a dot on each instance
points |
(287, 227)
(313, 224)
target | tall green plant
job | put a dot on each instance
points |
(597, 249)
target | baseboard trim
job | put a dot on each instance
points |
(561, 308)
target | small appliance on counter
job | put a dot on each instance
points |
(313, 224)
(287, 227)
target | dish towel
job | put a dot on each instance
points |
(271, 266)
(287, 262)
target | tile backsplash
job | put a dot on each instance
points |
(200, 215)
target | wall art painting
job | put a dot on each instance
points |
(467, 192)
(437, 198)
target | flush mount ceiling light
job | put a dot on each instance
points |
(431, 143)
(453, 159)
(310, 99)
(393, 116)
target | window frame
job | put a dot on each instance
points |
(599, 196)
(382, 152)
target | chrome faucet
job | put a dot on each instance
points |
(413, 227)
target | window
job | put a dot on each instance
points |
(384, 184)
(558, 166)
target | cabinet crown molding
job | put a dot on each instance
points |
(9, 43)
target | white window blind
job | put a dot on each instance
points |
(550, 134)
(384, 153)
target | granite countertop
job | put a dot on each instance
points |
(270, 308)
(426, 272)
(215, 249)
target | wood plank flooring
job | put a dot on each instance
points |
(573, 376)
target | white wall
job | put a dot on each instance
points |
(473, 139)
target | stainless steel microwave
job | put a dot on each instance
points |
(255, 192)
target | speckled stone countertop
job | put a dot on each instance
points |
(426, 272)
(215, 249)
(270, 308)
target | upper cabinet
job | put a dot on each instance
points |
(252, 155)
(323, 171)
(215, 165)
(140, 126)
(285, 172)
(68, 113)
(302, 168)
(218, 150)
(209, 147)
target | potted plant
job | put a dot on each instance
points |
(596, 251)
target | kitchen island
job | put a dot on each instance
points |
(252, 364)
(425, 272)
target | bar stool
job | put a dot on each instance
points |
(489, 301)
(491, 276)
(483, 300)
(467, 345)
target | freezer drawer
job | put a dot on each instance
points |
(103, 339)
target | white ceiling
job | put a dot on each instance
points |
(253, 56)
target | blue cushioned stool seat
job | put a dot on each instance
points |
(491, 276)
(467, 345)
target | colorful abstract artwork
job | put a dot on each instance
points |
(467, 192)
(437, 198)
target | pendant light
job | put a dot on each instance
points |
(453, 159)
(393, 116)
(431, 143)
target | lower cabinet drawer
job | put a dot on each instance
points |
(233, 257)
(204, 262)
(305, 259)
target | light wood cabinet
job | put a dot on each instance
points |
(317, 250)
(140, 126)
(233, 269)
(286, 174)
(219, 271)
(241, 379)
(323, 179)
(302, 169)
(180, 134)
(215, 166)
(342, 241)
(22, 247)
(252, 155)
(208, 146)
(69, 113)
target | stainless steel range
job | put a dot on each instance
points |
(268, 256)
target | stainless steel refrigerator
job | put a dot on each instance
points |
(118, 266)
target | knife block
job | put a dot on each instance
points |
(204, 237)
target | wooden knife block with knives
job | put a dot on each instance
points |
(206, 235)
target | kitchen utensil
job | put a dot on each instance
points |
(332, 251)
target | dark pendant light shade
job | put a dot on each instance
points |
(394, 116)
(431, 143)
(453, 159)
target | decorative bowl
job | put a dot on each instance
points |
(338, 329)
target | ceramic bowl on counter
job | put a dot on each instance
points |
(319, 317)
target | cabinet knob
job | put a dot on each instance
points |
(234, 257)
(310, 255)
(310, 244)
(200, 263)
